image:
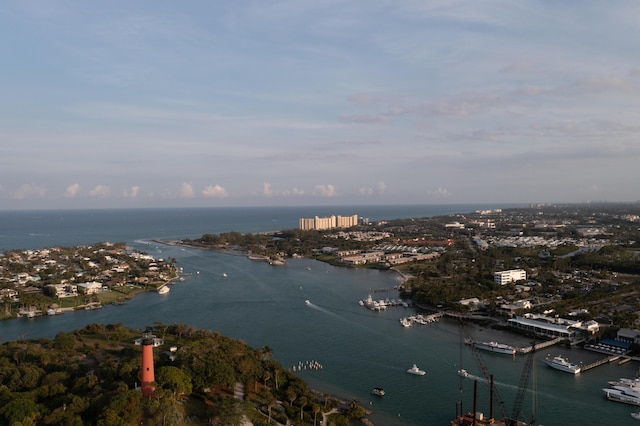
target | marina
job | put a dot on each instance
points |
(265, 306)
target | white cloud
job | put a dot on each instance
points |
(213, 191)
(266, 190)
(187, 191)
(72, 190)
(440, 192)
(29, 190)
(132, 192)
(325, 191)
(100, 191)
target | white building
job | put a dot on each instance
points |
(322, 223)
(506, 277)
(90, 287)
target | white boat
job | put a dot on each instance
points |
(562, 364)
(307, 302)
(463, 373)
(378, 391)
(636, 415)
(496, 347)
(619, 395)
(415, 370)
(224, 275)
(406, 322)
(164, 289)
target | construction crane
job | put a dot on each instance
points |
(523, 384)
(495, 394)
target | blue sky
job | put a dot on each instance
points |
(242, 103)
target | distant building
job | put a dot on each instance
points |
(90, 287)
(331, 222)
(506, 277)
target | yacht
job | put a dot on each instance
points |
(562, 364)
(378, 391)
(415, 370)
(463, 373)
(636, 415)
(621, 395)
(164, 289)
(500, 348)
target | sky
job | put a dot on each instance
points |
(126, 104)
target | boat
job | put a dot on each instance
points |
(496, 347)
(636, 415)
(562, 364)
(406, 322)
(224, 275)
(164, 289)
(307, 302)
(378, 391)
(620, 395)
(463, 373)
(415, 370)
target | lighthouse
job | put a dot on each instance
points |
(148, 377)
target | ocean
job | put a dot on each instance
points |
(265, 305)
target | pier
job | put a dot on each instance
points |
(606, 360)
(540, 345)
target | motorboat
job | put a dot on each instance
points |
(164, 289)
(636, 415)
(562, 364)
(415, 370)
(620, 395)
(378, 391)
(463, 373)
(496, 347)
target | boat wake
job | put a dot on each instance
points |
(321, 309)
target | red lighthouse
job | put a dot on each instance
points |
(148, 377)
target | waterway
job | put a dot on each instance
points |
(358, 349)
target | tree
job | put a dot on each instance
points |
(303, 402)
(21, 410)
(175, 380)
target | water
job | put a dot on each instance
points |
(264, 305)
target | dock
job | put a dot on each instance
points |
(540, 345)
(600, 362)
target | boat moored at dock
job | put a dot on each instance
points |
(500, 348)
(562, 364)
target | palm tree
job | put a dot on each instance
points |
(303, 402)
(316, 410)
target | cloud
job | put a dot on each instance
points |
(100, 191)
(132, 192)
(187, 191)
(29, 190)
(380, 189)
(325, 191)
(268, 192)
(72, 190)
(440, 192)
(213, 191)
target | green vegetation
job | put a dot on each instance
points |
(88, 377)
